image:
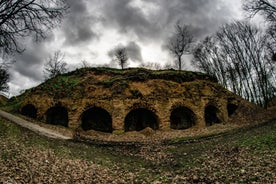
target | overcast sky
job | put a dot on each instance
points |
(93, 28)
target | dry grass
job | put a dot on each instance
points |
(245, 155)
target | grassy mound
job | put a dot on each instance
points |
(71, 81)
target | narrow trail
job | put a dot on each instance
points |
(33, 127)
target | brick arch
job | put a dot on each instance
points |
(57, 115)
(29, 110)
(141, 116)
(142, 105)
(212, 114)
(182, 117)
(96, 118)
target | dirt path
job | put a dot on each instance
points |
(34, 127)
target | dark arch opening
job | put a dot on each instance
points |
(182, 118)
(57, 115)
(211, 115)
(231, 108)
(139, 119)
(29, 110)
(96, 119)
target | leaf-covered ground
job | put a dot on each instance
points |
(247, 155)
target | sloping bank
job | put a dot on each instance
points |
(33, 127)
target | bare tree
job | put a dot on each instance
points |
(210, 60)
(5, 64)
(180, 43)
(22, 18)
(121, 57)
(238, 56)
(271, 46)
(267, 8)
(151, 66)
(55, 65)
(84, 64)
(4, 78)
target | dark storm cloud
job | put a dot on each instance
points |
(126, 18)
(205, 15)
(133, 51)
(30, 64)
(77, 26)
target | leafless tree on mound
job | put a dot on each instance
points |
(180, 43)
(151, 66)
(55, 65)
(121, 57)
(22, 18)
(84, 64)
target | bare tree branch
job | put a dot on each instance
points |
(267, 8)
(4, 78)
(180, 43)
(239, 56)
(55, 65)
(22, 18)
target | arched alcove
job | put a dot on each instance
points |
(96, 119)
(231, 108)
(57, 115)
(141, 118)
(29, 110)
(211, 115)
(182, 118)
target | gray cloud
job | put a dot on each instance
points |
(77, 26)
(110, 53)
(29, 65)
(205, 15)
(133, 51)
(126, 18)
